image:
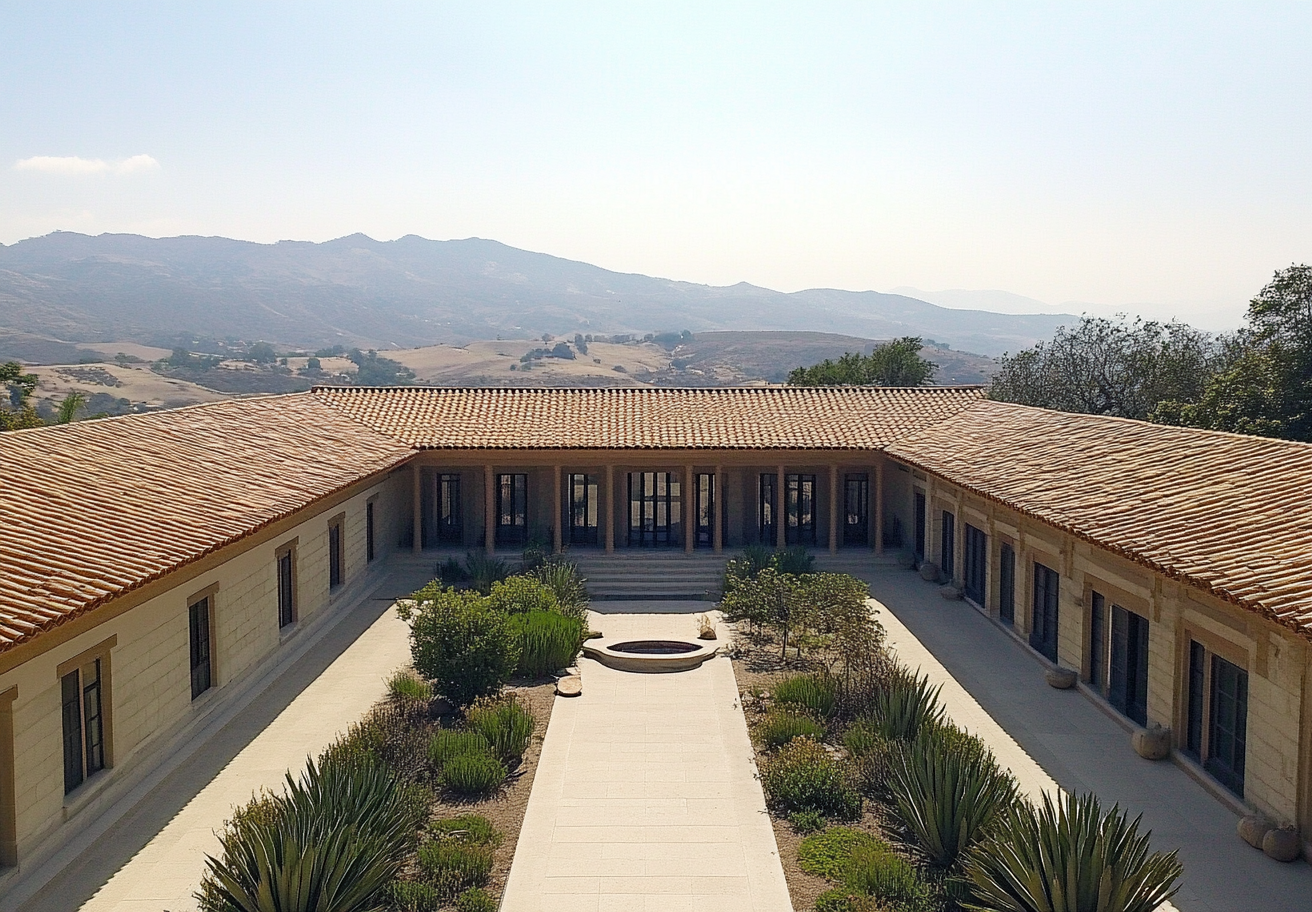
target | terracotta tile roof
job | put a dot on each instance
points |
(742, 418)
(94, 509)
(1224, 512)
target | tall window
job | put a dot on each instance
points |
(856, 510)
(949, 545)
(450, 519)
(582, 516)
(800, 506)
(286, 586)
(1217, 728)
(1127, 680)
(921, 531)
(976, 560)
(1006, 584)
(334, 554)
(84, 724)
(369, 532)
(704, 508)
(198, 622)
(1043, 620)
(1097, 642)
(768, 507)
(512, 509)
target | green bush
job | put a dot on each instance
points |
(537, 551)
(472, 828)
(814, 693)
(947, 800)
(461, 643)
(876, 872)
(795, 560)
(549, 641)
(868, 755)
(807, 822)
(476, 900)
(1067, 857)
(452, 866)
(841, 900)
(483, 570)
(393, 732)
(414, 896)
(779, 727)
(451, 571)
(331, 842)
(506, 724)
(826, 854)
(472, 775)
(801, 776)
(448, 744)
(906, 707)
(522, 594)
(407, 686)
(567, 584)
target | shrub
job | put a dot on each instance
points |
(483, 570)
(795, 560)
(476, 900)
(391, 732)
(461, 643)
(405, 685)
(451, 571)
(451, 743)
(521, 594)
(1068, 856)
(868, 753)
(472, 828)
(506, 724)
(567, 584)
(472, 775)
(548, 642)
(807, 822)
(414, 896)
(826, 854)
(332, 842)
(452, 866)
(779, 727)
(536, 553)
(801, 776)
(888, 878)
(814, 693)
(907, 706)
(840, 900)
(945, 799)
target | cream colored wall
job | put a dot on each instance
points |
(1278, 661)
(150, 683)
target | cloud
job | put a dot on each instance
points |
(75, 165)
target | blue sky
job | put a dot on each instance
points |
(1149, 157)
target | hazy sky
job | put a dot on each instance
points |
(1115, 154)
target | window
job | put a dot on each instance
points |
(202, 666)
(83, 685)
(948, 557)
(704, 508)
(800, 508)
(766, 506)
(1216, 731)
(655, 508)
(920, 526)
(582, 517)
(856, 510)
(976, 561)
(512, 509)
(286, 559)
(369, 552)
(335, 553)
(1127, 683)
(1043, 627)
(1097, 641)
(450, 518)
(1007, 584)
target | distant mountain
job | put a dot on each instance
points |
(410, 292)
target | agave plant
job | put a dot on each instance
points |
(1067, 856)
(906, 707)
(947, 799)
(569, 586)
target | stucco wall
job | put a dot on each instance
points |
(150, 684)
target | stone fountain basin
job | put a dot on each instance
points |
(651, 654)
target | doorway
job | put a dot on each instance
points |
(654, 504)
(704, 509)
(1043, 628)
(856, 510)
(512, 509)
(800, 506)
(582, 510)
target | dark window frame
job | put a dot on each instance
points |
(767, 509)
(1007, 583)
(974, 572)
(655, 509)
(86, 711)
(1216, 715)
(336, 552)
(1045, 613)
(856, 510)
(582, 508)
(512, 499)
(948, 544)
(370, 532)
(921, 509)
(200, 636)
(800, 493)
(286, 584)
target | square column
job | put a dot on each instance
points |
(417, 507)
(833, 509)
(781, 510)
(489, 510)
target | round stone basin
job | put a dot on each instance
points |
(649, 655)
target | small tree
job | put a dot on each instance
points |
(460, 642)
(18, 412)
(770, 599)
(896, 363)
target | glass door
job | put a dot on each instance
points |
(512, 509)
(800, 505)
(920, 526)
(704, 509)
(450, 523)
(582, 510)
(976, 560)
(768, 505)
(1043, 632)
(1007, 584)
(654, 505)
(856, 510)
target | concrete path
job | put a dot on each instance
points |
(646, 796)
(993, 686)
(152, 858)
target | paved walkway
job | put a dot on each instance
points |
(645, 796)
(152, 858)
(993, 686)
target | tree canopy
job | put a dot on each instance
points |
(17, 412)
(895, 363)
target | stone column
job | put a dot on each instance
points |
(557, 534)
(417, 507)
(833, 509)
(878, 519)
(609, 512)
(780, 510)
(489, 509)
(717, 534)
(689, 510)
